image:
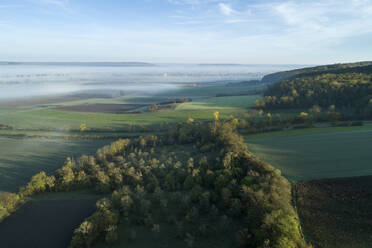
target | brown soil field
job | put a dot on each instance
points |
(336, 213)
(39, 101)
(102, 108)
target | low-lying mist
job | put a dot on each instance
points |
(46, 79)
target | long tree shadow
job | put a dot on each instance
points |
(45, 223)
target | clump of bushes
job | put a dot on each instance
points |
(8, 204)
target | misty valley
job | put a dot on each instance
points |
(196, 155)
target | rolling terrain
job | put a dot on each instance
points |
(191, 170)
(316, 153)
(22, 158)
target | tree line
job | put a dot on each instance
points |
(349, 94)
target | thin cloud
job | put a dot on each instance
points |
(59, 3)
(8, 6)
(192, 2)
(225, 9)
(237, 20)
(244, 31)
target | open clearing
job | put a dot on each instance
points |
(337, 213)
(22, 158)
(316, 153)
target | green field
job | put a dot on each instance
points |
(22, 158)
(51, 219)
(46, 116)
(317, 152)
(42, 136)
(223, 104)
(209, 91)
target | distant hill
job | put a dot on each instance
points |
(221, 65)
(111, 64)
(346, 88)
(335, 68)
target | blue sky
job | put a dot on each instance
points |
(187, 31)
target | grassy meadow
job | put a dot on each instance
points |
(316, 152)
(22, 158)
(49, 116)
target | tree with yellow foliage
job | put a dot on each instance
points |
(83, 127)
(190, 121)
(216, 116)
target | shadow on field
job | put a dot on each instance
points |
(44, 223)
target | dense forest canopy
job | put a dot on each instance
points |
(348, 91)
(335, 68)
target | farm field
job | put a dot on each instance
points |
(336, 213)
(103, 114)
(60, 213)
(220, 103)
(43, 132)
(69, 135)
(210, 91)
(22, 158)
(317, 152)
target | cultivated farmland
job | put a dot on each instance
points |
(316, 153)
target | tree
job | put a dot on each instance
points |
(3, 212)
(284, 229)
(204, 202)
(111, 235)
(8, 204)
(103, 182)
(225, 196)
(236, 207)
(190, 121)
(65, 176)
(82, 179)
(83, 127)
(154, 108)
(38, 184)
(216, 116)
(83, 235)
(151, 183)
(189, 182)
(126, 203)
(170, 182)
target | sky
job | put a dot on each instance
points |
(187, 31)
